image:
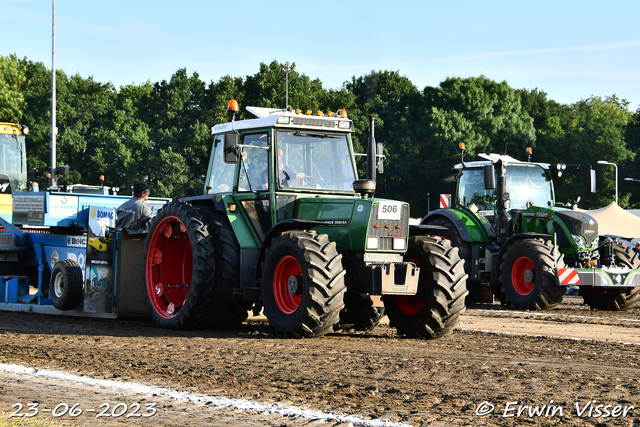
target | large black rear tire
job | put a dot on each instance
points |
(225, 312)
(435, 310)
(302, 284)
(475, 288)
(615, 299)
(528, 280)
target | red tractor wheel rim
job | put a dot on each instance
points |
(168, 267)
(288, 284)
(523, 276)
(410, 304)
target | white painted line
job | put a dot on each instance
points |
(533, 313)
(521, 334)
(221, 402)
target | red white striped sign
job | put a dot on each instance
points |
(445, 201)
(568, 276)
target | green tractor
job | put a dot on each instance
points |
(285, 227)
(514, 239)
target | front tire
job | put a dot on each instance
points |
(527, 276)
(302, 284)
(615, 299)
(435, 309)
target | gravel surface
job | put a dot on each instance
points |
(522, 368)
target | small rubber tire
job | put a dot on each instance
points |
(66, 287)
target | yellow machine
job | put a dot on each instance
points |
(13, 165)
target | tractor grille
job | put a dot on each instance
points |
(384, 234)
(581, 224)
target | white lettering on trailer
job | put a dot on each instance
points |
(77, 241)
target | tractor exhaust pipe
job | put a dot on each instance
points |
(371, 149)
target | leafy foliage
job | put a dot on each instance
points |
(160, 132)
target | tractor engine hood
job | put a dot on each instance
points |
(581, 224)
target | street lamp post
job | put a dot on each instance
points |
(285, 69)
(604, 162)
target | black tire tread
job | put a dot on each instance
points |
(446, 290)
(326, 286)
(73, 286)
(549, 294)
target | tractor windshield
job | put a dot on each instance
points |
(527, 185)
(311, 159)
(13, 160)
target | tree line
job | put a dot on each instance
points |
(161, 132)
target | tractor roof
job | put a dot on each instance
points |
(492, 158)
(282, 118)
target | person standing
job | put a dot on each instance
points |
(136, 213)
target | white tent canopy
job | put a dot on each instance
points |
(614, 220)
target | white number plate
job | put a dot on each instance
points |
(389, 210)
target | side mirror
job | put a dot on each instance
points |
(380, 155)
(489, 177)
(231, 148)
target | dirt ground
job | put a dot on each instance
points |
(569, 366)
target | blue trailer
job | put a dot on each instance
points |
(61, 254)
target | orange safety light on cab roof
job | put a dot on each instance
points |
(529, 150)
(308, 112)
(233, 106)
(461, 146)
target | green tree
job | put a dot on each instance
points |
(12, 82)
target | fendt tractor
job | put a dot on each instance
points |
(513, 237)
(285, 226)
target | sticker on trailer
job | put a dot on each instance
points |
(77, 241)
(445, 201)
(390, 210)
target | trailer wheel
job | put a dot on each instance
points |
(302, 284)
(436, 308)
(359, 313)
(179, 267)
(66, 285)
(614, 299)
(527, 277)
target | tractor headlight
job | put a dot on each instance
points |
(579, 241)
(372, 243)
(398, 244)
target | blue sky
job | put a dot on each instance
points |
(569, 49)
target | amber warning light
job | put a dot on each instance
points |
(233, 106)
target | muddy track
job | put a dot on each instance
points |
(376, 375)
